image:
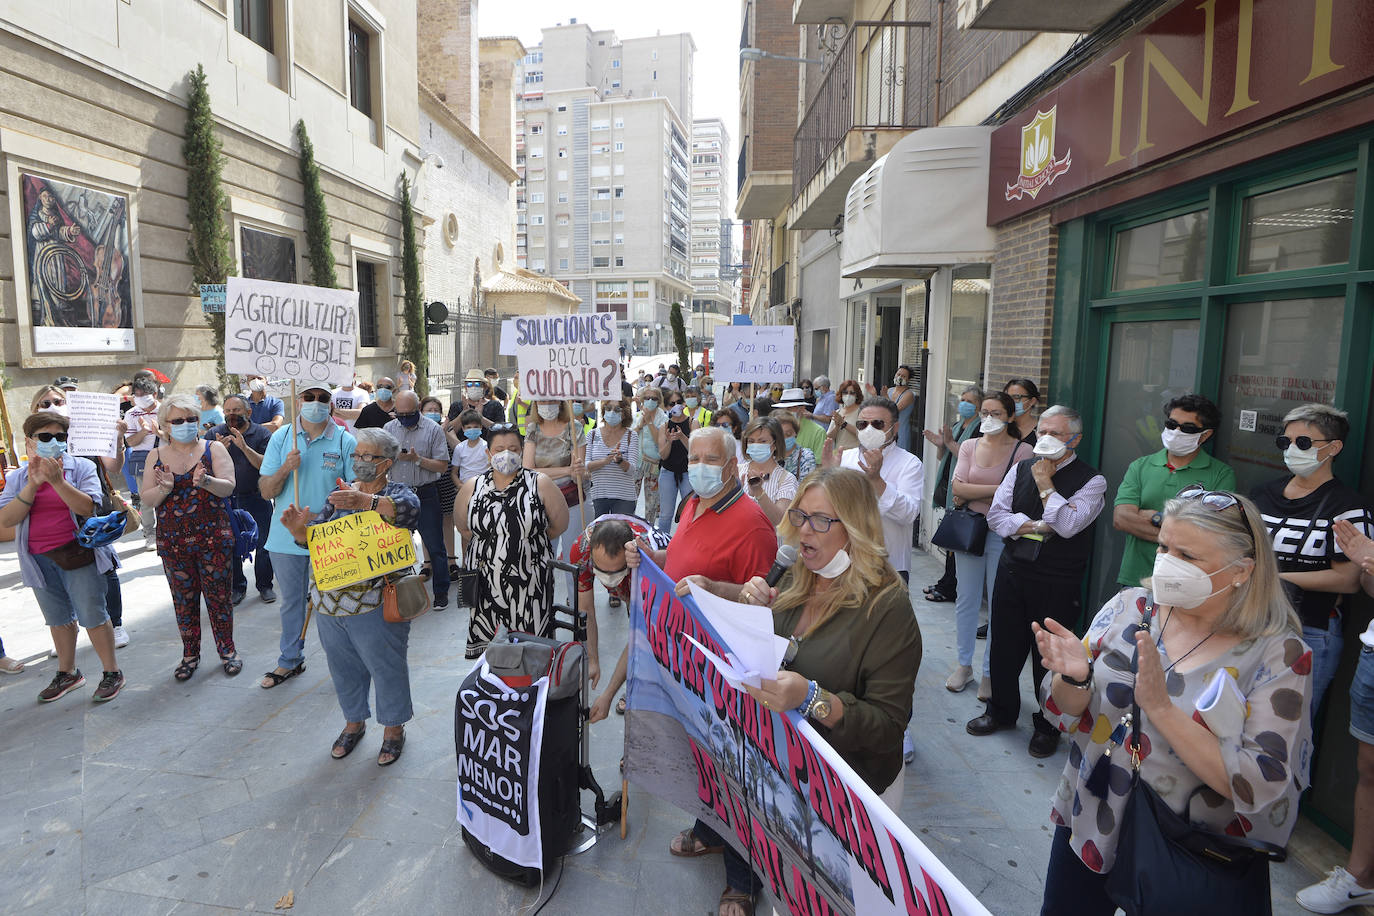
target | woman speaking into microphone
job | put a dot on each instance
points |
(854, 645)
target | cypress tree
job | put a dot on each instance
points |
(684, 356)
(207, 247)
(416, 346)
(319, 247)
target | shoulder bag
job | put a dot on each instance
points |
(404, 598)
(1165, 864)
(963, 529)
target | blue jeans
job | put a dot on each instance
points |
(1326, 656)
(671, 491)
(261, 510)
(293, 575)
(602, 507)
(432, 534)
(1072, 888)
(976, 576)
(362, 650)
(71, 595)
(133, 470)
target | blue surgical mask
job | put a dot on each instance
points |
(184, 433)
(208, 416)
(759, 451)
(314, 412)
(472, 432)
(384, 395)
(706, 479)
(966, 410)
(577, 409)
(1020, 409)
(613, 417)
(50, 449)
(436, 417)
(790, 442)
(692, 403)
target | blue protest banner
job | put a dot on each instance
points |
(820, 838)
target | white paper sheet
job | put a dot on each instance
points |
(747, 629)
(94, 417)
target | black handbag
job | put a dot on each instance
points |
(963, 529)
(1165, 864)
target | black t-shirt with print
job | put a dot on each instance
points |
(1303, 543)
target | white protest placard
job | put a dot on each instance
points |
(755, 353)
(94, 418)
(507, 347)
(303, 333)
(562, 357)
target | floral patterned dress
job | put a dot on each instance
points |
(1267, 762)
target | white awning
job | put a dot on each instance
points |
(922, 206)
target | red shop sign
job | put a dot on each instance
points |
(1199, 72)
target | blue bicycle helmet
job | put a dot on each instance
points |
(100, 530)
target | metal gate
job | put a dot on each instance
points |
(470, 342)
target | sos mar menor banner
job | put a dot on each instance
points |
(818, 836)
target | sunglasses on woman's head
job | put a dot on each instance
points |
(45, 405)
(48, 437)
(1217, 501)
(876, 424)
(500, 427)
(1303, 442)
(1189, 428)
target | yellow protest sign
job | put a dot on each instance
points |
(355, 548)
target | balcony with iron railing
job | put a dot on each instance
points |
(866, 103)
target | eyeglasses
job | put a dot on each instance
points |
(1217, 501)
(322, 397)
(995, 414)
(48, 437)
(876, 424)
(1303, 442)
(1191, 429)
(45, 405)
(819, 523)
(368, 459)
(177, 421)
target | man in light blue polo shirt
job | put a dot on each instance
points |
(318, 452)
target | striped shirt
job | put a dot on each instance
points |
(610, 482)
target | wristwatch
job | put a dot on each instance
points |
(820, 707)
(1045, 493)
(1157, 519)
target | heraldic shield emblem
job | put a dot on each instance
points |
(1039, 168)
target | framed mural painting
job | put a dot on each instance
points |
(77, 266)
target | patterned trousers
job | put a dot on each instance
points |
(193, 571)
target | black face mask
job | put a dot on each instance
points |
(235, 421)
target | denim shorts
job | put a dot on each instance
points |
(71, 595)
(1362, 698)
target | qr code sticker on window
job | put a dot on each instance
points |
(1248, 419)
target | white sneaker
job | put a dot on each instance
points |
(52, 653)
(908, 749)
(961, 678)
(1338, 892)
(121, 636)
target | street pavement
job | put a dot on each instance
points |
(213, 795)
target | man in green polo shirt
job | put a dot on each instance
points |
(1154, 479)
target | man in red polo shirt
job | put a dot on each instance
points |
(723, 539)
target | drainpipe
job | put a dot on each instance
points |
(939, 57)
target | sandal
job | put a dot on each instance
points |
(620, 707)
(392, 746)
(232, 664)
(732, 897)
(934, 594)
(276, 678)
(686, 845)
(346, 742)
(187, 668)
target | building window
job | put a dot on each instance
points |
(619, 123)
(562, 242)
(536, 152)
(615, 64)
(615, 84)
(267, 256)
(619, 262)
(562, 152)
(359, 68)
(537, 197)
(562, 175)
(562, 220)
(653, 55)
(365, 274)
(562, 263)
(620, 216)
(619, 193)
(562, 197)
(562, 130)
(620, 146)
(619, 239)
(537, 219)
(601, 262)
(655, 76)
(538, 264)
(536, 129)
(253, 20)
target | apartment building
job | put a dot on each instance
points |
(90, 142)
(713, 273)
(604, 190)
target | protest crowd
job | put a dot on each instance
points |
(1201, 673)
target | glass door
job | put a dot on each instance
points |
(1148, 364)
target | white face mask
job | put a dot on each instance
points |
(837, 565)
(505, 462)
(548, 411)
(1177, 442)
(257, 384)
(991, 426)
(1181, 584)
(610, 580)
(1303, 463)
(1050, 447)
(871, 437)
(143, 401)
(848, 400)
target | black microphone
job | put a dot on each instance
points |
(787, 555)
